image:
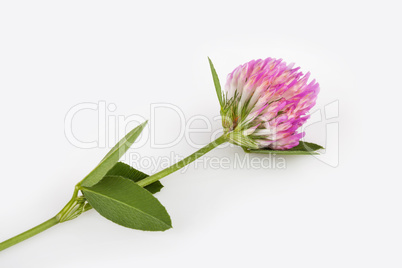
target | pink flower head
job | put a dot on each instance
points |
(265, 102)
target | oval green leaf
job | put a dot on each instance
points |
(126, 203)
(112, 157)
(304, 148)
(126, 171)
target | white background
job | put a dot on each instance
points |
(54, 55)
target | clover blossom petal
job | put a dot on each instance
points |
(266, 102)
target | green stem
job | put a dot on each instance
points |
(31, 232)
(72, 210)
(182, 163)
(77, 204)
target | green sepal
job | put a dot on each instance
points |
(126, 203)
(239, 139)
(128, 172)
(304, 148)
